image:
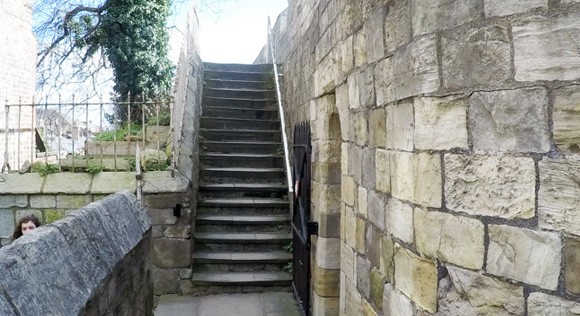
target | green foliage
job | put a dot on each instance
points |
(119, 134)
(44, 169)
(135, 40)
(289, 267)
(155, 165)
(288, 247)
(163, 120)
(93, 169)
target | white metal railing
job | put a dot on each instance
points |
(280, 110)
(82, 136)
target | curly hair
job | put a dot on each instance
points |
(18, 228)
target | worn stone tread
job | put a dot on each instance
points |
(238, 119)
(242, 257)
(241, 278)
(257, 131)
(239, 89)
(254, 170)
(237, 108)
(243, 186)
(254, 202)
(243, 237)
(242, 99)
(241, 220)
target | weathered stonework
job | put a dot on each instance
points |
(501, 186)
(458, 240)
(416, 178)
(545, 48)
(388, 258)
(383, 171)
(376, 209)
(440, 123)
(400, 126)
(431, 16)
(492, 66)
(466, 292)
(540, 304)
(566, 117)
(417, 278)
(510, 120)
(520, 254)
(572, 273)
(395, 303)
(502, 8)
(397, 25)
(399, 220)
(559, 195)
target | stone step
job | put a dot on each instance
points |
(242, 238)
(240, 135)
(239, 93)
(241, 278)
(238, 112)
(237, 84)
(243, 211)
(241, 160)
(242, 202)
(237, 75)
(273, 187)
(265, 104)
(237, 124)
(267, 68)
(241, 220)
(242, 147)
(242, 257)
(238, 175)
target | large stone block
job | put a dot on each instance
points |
(328, 253)
(510, 120)
(8, 201)
(363, 205)
(323, 306)
(363, 276)
(388, 258)
(415, 68)
(347, 261)
(540, 304)
(397, 25)
(361, 226)
(67, 183)
(171, 253)
(353, 299)
(384, 84)
(465, 292)
(6, 223)
(509, 7)
(400, 126)
(440, 123)
(72, 201)
(368, 168)
(416, 178)
(545, 47)
(417, 278)
(432, 16)
(566, 117)
(491, 67)
(572, 273)
(500, 186)
(454, 239)
(111, 182)
(28, 183)
(327, 73)
(373, 246)
(378, 128)
(360, 128)
(377, 288)
(383, 171)
(355, 162)
(348, 190)
(349, 227)
(376, 211)
(520, 254)
(399, 220)
(559, 195)
(395, 303)
(325, 281)
(165, 281)
(42, 201)
(374, 34)
(402, 175)
(156, 182)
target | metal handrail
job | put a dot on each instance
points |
(280, 110)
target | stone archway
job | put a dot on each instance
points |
(326, 191)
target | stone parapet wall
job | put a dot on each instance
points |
(167, 200)
(95, 261)
(446, 144)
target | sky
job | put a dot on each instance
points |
(234, 31)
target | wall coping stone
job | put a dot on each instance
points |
(102, 183)
(69, 260)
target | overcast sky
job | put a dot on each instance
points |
(234, 31)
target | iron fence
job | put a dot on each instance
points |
(86, 136)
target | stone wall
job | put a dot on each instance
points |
(17, 76)
(446, 144)
(95, 261)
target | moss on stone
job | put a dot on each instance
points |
(52, 216)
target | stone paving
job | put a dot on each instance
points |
(254, 304)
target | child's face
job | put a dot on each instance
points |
(27, 227)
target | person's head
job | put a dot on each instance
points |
(25, 225)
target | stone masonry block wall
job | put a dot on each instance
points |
(17, 75)
(446, 143)
(166, 198)
(95, 261)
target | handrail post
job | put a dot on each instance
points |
(6, 165)
(280, 111)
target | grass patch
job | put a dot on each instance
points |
(44, 169)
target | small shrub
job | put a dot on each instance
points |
(164, 119)
(93, 169)
(44, 168)
(119, 134)
(289, 267)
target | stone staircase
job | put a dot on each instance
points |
(242, 221)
